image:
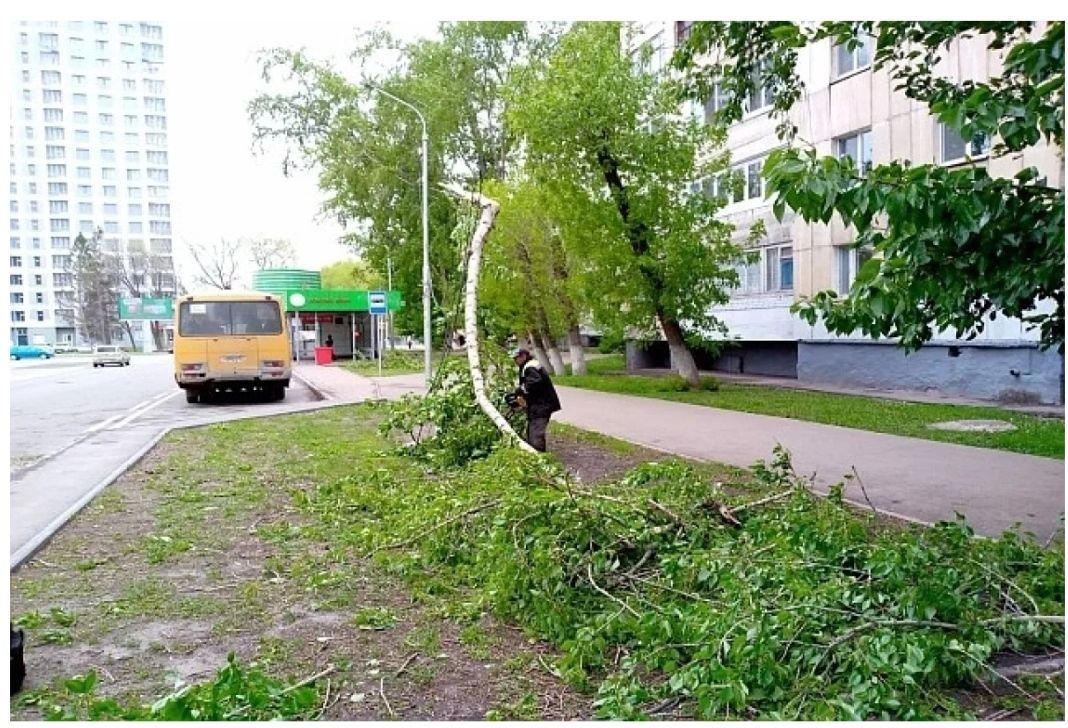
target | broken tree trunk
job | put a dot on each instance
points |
(485, 224)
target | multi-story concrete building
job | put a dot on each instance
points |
(849, 109)
(88, 152)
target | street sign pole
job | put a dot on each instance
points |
(378, 327)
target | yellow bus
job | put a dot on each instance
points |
(231, 341)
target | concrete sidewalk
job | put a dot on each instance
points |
(917, 479)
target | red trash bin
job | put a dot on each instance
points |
(324, 354)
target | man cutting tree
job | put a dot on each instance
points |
(536, 394)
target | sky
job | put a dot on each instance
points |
(220, 187)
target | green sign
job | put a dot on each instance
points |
(146, 309)
(335, 301)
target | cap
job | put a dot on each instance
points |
(516, 351)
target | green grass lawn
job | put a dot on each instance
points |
(1033, 436)
(394, 362)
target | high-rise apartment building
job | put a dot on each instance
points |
(850, 109)
(88, 152)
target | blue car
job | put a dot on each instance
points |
(30, 351)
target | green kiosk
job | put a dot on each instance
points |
(315, 314)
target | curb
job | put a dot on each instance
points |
(307, 383)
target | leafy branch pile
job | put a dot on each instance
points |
(675, 596)
(446, 426)
(237, 693)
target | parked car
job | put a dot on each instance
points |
(103, 355)
(31, 351)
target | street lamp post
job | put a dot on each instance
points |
(426, 239)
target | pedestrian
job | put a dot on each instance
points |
(537, 391)
(330, 340)
(409, 343)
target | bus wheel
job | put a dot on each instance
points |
(192, 396)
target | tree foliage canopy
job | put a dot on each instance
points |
(957, 246)
(602, 133)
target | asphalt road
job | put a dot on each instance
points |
(73, 427)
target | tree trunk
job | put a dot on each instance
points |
(680, 353)
(157, 335)
(539, 350)
(129, 335)
(578, 354)
(557, 361)
(474, 365)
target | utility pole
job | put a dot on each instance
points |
(426, 235)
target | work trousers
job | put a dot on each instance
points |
(536, 427)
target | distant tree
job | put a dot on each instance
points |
(217, 264)
(271, 253)
(94, 297)
(955, 247)
(350, 274)
(143, 274)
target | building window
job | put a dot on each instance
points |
(135, 209)
(856, 147)
(55, 206)
(53, 114)
(760, 97)
(107, 172)
(85, 208)
(136, 227)
(38, 297)
(61, 261)
(81, 154)
(52, 96)
(52, 151)
(848, 60)
(682, 31)
(134, 193)
(715, 102)
(60, 244)
(85, 190)
(81, 117)
(952, 147)
(111, 209)
(57, 170)
(81, 99)
(36, 261)
(849, 260)
(40, 315)
(18, 316)
(106, 119)
(17, 298)
(85, 172)
(748, 277)
(81, 135)
(59, 225)
(109, 191)
(779, 268)
(16, 261)
(15, 280)
(132, 175)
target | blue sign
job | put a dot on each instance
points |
(376, 302)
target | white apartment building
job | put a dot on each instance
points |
(851, 110)
(88, 151)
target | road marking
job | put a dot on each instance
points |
(152, 404)
(139, 406)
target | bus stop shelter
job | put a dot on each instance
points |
(341, 315)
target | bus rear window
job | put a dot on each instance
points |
(230, 318)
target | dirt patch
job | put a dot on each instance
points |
(592, 462)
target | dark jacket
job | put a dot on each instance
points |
(538, 390)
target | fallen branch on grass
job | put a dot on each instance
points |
(382, 692)
(404, 667)
(409, 541)
(329, 669)
(617, 600)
